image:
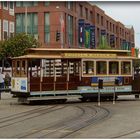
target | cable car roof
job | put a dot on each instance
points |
(73, 53)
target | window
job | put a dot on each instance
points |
(123, 32)
(11, 29)
(108, 39)
(120, 31)
(19, 23)
(5, 5)
(18, 4)
(70, 5)
(107, 24)
(13, 68)
(26, 3)
(47, 28)
(23, 68)
(116, 29)
(98, 18)
(113, 29)
(113, 67)
(81, 10)
(110, 26)
(11, 5)
(32, 23)
(102, 22)
(91, 16)
(70, 30)
(121, 44)
(17, 68)
(98, 35)
(101, 67)
(126, 68)
(86, 12)
(47, 3)
(0, 5)
(35, 3)
(5, 29)
(88, 67)
(11, 8)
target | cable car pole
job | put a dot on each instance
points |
(114, 96)
(99, 94)
(26, 20)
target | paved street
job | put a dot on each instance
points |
(71, 120)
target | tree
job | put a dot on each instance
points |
(17, 45)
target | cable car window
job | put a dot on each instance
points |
(17, 68)
(113, 67)
(101, 67)
(126, 68)
(23, 68)
(34, 68)
(88, 67)
(13, 68)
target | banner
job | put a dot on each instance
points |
(103, 38)
(112, 41)
(125, 45)
(87, 35)
(81, 31)
(133, 51)
(92, 37)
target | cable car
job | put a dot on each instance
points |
(46, 74)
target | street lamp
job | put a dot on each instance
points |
(26, 20)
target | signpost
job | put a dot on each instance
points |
(100, 86)
(114, 95)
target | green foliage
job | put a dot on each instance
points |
(136, 63)
(17, 45)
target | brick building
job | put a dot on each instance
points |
(7, 20)
(71, 25)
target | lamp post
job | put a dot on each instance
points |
(26, 20)
(62, 30)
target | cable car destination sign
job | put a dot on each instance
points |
(88, 55)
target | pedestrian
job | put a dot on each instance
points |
(7, 80)
(1, 80)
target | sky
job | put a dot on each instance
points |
(127, 13)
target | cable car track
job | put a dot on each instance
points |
(89, 115)
(125, 134)
(34, 113)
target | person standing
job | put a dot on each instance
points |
(1, 80)
(7, 80)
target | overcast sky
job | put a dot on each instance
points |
(126, 12)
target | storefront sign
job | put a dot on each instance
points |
(107, 79)
(108, 89)
(88, 55)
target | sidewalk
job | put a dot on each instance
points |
(6, 95)
(6, 99)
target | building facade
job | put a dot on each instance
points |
(71, 25)
(7, 20)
